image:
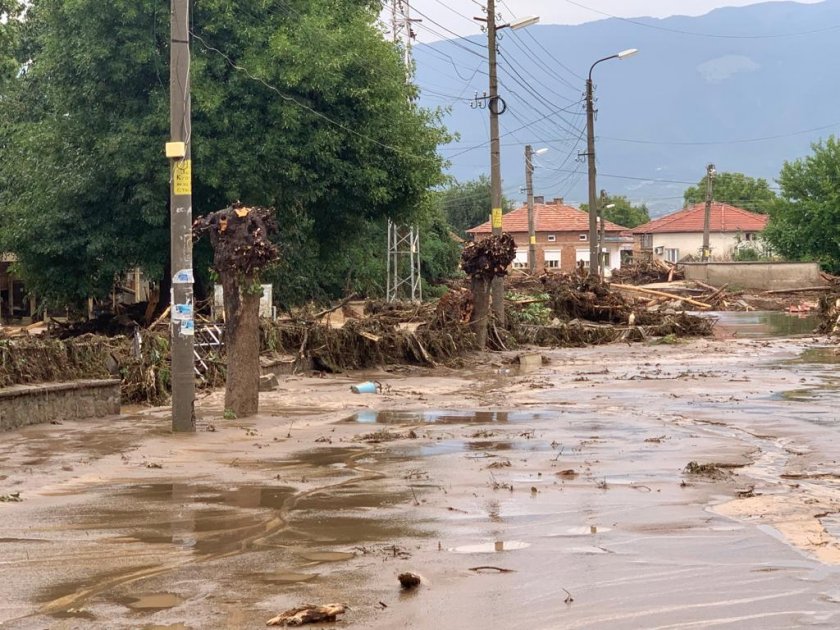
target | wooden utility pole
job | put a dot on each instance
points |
(707, 218)
(494, 104)
(182, 322)
(529, 187)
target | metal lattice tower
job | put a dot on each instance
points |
(403, 279)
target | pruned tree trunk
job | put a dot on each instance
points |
(242, 329)
(481, 309)
(241, 250)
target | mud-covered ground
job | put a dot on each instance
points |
(554, 498)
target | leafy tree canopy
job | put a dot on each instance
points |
(84, 184)
(805, 219)
(623, 212)
(467, 204)
(737, 189)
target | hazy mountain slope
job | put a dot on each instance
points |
(681, 88)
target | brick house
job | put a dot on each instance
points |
(562, 234)
(680, 233)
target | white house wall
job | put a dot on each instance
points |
(722, 244)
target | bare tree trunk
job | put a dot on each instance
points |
(242, 342)
(481, 310)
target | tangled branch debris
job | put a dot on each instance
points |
(308, 613)
(240, 238)
(489, 257)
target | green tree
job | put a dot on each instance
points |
(623, 212)
(805, 219)
(466, 205)
(11, 61)
(328, 134)
(737, 189)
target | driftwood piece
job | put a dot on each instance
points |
(797, 290)
(307, 613)
(630, 287)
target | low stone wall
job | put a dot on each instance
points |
(33, 404)
(764, 276)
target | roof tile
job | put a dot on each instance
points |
(723, 218)
(548, 217)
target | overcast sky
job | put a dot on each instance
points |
(557, 11)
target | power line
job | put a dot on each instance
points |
(719, 142)
(712, 35)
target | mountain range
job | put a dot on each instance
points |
(743, 88)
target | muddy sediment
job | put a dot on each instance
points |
(557, 497)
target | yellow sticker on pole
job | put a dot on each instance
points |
(182, 178)
(496, 218)
(533, 240)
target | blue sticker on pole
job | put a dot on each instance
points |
(188, 327)
(184, 276)
(182, 312)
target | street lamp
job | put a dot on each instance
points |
(529, 187)
(590, 156)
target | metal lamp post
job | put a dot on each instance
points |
(590, 157)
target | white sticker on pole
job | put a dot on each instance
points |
(184, 276)
(188, 328)
(182, 312)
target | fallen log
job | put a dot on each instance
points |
(797, 290)
(630, 287)
(308, 613)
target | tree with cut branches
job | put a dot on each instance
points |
(242, 251)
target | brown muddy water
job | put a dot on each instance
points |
(556, 499)
(763, 324)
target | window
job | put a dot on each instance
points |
(552, 259)
(749, 236)
(606, 258)
(672, 255)
(521, 260)
(552, 238)
(647, 241)
(582, 258)
(583, 237)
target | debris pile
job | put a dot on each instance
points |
(830, 314)
(489, 257)
(240, 237)
(647, 271)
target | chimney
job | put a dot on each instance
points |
(539, 199)
(558, 201)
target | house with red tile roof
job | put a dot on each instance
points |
(680, 234)
(562, 234)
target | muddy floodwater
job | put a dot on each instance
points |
(692, 485)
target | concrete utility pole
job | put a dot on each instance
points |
(182, 322)
(493, 104)
(707, 218)
(529, 187)
(590, 160)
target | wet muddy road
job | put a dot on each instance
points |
(556, 498)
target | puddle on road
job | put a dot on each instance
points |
(450, 417)
(287, 577)
(492, 547)
(821, 355)
(155, 601)
(764, 323)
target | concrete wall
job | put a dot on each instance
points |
(763, 276)
(34, 404)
